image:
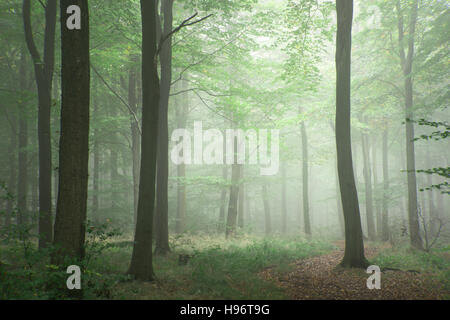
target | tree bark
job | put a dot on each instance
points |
(162, 216)
(141, 266)
(44, 74)
(74, 141)
(354, 246)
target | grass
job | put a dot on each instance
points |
(217, 269)
(436, 263)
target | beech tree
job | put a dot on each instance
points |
(70, 221)
(354, 246)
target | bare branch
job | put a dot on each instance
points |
(119, 97)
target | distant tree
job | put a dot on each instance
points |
(406, 60)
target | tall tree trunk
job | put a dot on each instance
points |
(267, 219)
(368, 188)
(74, 141)
(23, 153)
(223, 197)
(135, 135)
(354, 246)
(162, 214)
(44, 74)
(305, 180)
(96, 164)
(384, 215)
(431, 209)
(283, 200)
(241, 210)
(234, 191)
(181, 118)
(375, 189)
(12, 180)
(141, 266)
(406, 64)
(113, 167)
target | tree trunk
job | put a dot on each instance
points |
(162, 216)
(23, 153)
(267, 219)
(305, 180)
(384, 215)
(181, 117)
(223, 196)
(375, 190)
(368, 188)
(234, 191)
(141, 266)
(74, 141)
(44, 74)
(96, 164)
(241, 195)
(354, 247)
(135, 135)
(406, 64)
(283, 200)
(12, 180)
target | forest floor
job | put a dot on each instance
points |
(319, 278)
(247, 267)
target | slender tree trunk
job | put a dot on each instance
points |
(241, 210)
(283, 200)
(384, 215)
(23, 153)
(44, 74)
(406, 64)
(74, 141)
(96, 165)
(305, 180)
(431, 208)
(135, 135)
(141, 266)
(12, 180)
(162, 215)
(181, 116)
(223, 197)
(354, 247)
(267, 219)
(375, 189)
(234, 191)
(368, 188)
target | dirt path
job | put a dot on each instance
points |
(318, 278)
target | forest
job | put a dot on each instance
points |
(224, 150)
